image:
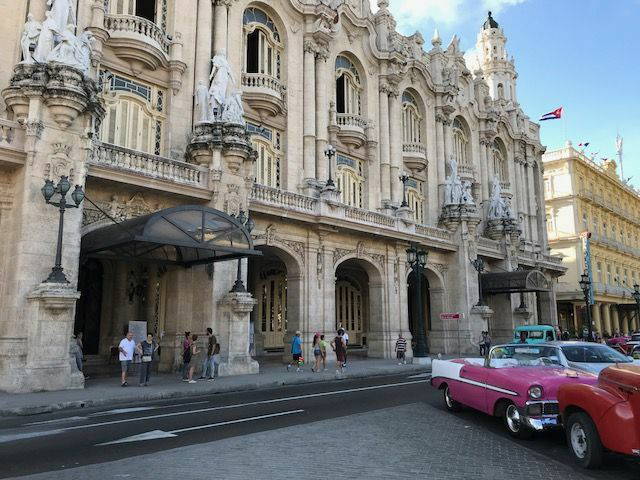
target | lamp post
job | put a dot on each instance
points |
(48, 191)
(330, 152)
(248, 224)
(636, 297)
(418, 260)
(585, 285)
(478, 264)
(404, 178)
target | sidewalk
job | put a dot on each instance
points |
(107, 391)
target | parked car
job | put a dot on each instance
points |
(635, 353)
(630, 344)
(589, 356)
(603, 416)
(516, 382)
(535, 333)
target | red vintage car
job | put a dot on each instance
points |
(604, 416)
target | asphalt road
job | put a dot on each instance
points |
(62, 440)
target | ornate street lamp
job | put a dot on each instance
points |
(636, 297)
(418, 260)
(404, 178)
(248, 224)
(478, 264)
(330, 152)
(585, 285)
(48, 191)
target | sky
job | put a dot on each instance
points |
(578, 54)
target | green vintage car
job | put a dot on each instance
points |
(535, 334)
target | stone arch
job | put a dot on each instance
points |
(362, 78)
(462, 140)
(280, 26)
(436, 294)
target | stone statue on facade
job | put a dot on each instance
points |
(453, 186)
(467, 196)
(234, 112)
(46, 39)
(83, 51)
(65, 50)
(30, 35)
(496, 202)
(221, 79)
(63, 13)
(202, 101)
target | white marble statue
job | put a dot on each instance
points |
(63, 13)
(83, 51)
(507, 210)
(467, 196)
(496, 202)
(221, 82)
(453, 190)
(30, 35)
(45, 39)
(202, 101)
(234, 112)
(65, 50)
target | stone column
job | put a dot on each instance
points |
(204, 27)
(533, 232)
(615, 319)
(235, 309)
(385, 166)
(607, 319)
(595, 317)
(220, 26)
(440, 161)
(395, 140)
(485, 175)
(309, 118)
(322, 112)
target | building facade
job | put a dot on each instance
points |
(584, 196)
(153, 124)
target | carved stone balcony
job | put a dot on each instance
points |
(415, 156)
(12, 143)
(352, 129)
(264, 93)
(139, 41)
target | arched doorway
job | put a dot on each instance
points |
(89, 305)
(412, 303)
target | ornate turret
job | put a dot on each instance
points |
(499, 71)
(490, 23)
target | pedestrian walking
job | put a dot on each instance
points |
(78, 352)
(345, 338)
(195, 358)
(401, 349)
(323, 351)
(215, 359)
(296, 351)
(340, 348)
(126, 348)
(147, 350)
(186, 356)
(487, 343)
(317, 353)
(207, 364)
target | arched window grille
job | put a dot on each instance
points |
(268, 144)
(499, 161)
(416, 199)
(348, 87)
(411, 119)
(350, 179)
(134, 114)
(263, 47)
(460, 143)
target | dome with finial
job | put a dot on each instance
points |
(490, 23)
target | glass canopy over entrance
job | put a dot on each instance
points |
(514, 282)
(186, 235)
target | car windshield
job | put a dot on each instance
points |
(523, 356)
(593, 354)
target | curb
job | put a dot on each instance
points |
(257, 385)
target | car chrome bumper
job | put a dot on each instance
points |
(541, 415)
(541, 423)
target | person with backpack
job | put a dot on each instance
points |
(339, 346)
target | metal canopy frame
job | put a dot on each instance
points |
(515, 282)
(187, 235)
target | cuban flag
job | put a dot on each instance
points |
(584, 144)
(557, 113)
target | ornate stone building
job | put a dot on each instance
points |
(585, 196)
(155, 133)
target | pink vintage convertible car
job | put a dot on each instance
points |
(518, 382)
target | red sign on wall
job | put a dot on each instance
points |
(451, 316)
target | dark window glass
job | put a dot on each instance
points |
(252, 51)
(146, 9)
(340, 94)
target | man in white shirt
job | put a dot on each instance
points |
(127, 347)
(345, 337)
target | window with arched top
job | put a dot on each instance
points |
(350, 179)
(263, 46)
(460, 142)
(152, 10)
(135, 114)
(416, 199)
(348, 87)
(500, 90)
(499, 158)
(268, 143)
(411, 119)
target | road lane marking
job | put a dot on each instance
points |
(420, 375)
(120, 411)
(223, 407)
(156, 434)
(56, 420)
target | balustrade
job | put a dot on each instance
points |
(261, 80)
(140, 26)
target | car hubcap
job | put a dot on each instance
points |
(513, 418)
(447, 398)
(578, 440)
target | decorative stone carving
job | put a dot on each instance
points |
(46, 39)
(234, 112)
(202, 101)
(359, 252)
(221, 80)
(271, 237)
(63, 13)
(454, 191)
(233, 200)
(30, 35)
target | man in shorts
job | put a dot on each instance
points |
(401, 349)
(296, 351)
(127, 347)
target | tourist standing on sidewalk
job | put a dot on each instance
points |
(215, 360)
(487, 343)
(323, 351)
(296, 351)
(126, 349)
(340, 348)
(482, 343)
(317, 353)
(76, 348)
(207, 364)
(345, 339)
(146, 349)
(401, 348)
(195, 358)
(186, 355)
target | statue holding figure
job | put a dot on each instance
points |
(467, 196)
(202, 101)
(46, 39)
(30, 35)
(83, 51)
(65, 51)
(496, 202)
(234, 112)
(220, 77)
(63, 13)
(453, 186)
